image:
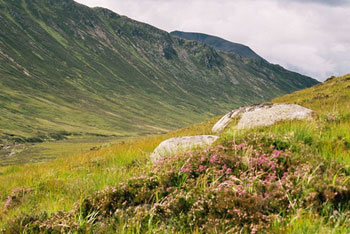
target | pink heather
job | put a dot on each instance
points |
(202, 168)
(213, 159)
(276, 153)
(221, 147)
(220, 172)
(8, 203)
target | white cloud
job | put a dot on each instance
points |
(311, 37)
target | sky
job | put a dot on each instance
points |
(311, 37)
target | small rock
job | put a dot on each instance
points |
(181, 144)
(263, 115)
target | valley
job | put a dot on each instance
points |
(22, 153)
(321, 146)
(111, 125)
(68, 70)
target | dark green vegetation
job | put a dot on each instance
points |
(292, 177)
(218, 43)
(68, 71)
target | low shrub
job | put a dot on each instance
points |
(234, 187)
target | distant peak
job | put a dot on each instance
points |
(218, 43)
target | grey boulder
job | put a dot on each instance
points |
(181, 144)
(263, 115)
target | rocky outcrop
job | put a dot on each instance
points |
(181, 144)
(247, 117)
(262, 115)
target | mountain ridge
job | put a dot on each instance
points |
(219, 43)
(70, 69)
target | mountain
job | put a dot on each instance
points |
(218, 43)
(67, 69)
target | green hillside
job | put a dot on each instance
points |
(297, 180)
(66, 69)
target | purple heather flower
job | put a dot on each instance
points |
(213, 158)
(8, 203)
(276, 153)
(221, 147)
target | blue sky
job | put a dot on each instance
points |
(308, 36)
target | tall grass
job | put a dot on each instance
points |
(59, 184)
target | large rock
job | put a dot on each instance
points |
(263, 115)
(181, 144)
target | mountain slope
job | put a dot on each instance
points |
(218, 43)
(69, 69)
(294, 176)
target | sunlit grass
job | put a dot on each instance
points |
(59, 184)
(308, 223)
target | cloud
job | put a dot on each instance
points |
(308, 36)
(326, 2)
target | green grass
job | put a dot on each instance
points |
(59, 184)
(321, 143)
(50, 150)
(308, 223)
(329, 134)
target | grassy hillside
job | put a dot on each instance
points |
(306, 192)
(59, 184)
(330, 135)
(67, 70)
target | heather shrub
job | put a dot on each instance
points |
(16, 197)
(240, 186)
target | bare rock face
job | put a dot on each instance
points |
(263, 115)
(181, 144)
